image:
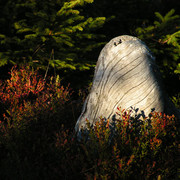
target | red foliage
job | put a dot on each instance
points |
(26, 93)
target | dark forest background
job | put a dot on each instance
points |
(66, 38)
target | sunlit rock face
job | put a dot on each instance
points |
(125, 76)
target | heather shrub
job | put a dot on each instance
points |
(133, 149)
(32, 109)
(37, 138)
(26, 95)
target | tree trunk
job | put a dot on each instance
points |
(125, 76)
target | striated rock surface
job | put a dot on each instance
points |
(125, 76)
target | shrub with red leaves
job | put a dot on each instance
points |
(26, 94)
(37, 140)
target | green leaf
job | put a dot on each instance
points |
(30, 36)
(24, 30)
(158, 15)
(169, 14)
(43, 38)
(89, 1)
(2, 36)
(177, 71)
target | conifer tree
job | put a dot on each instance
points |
(46, 32)
(163, 38)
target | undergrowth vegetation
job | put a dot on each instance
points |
(37, 138)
